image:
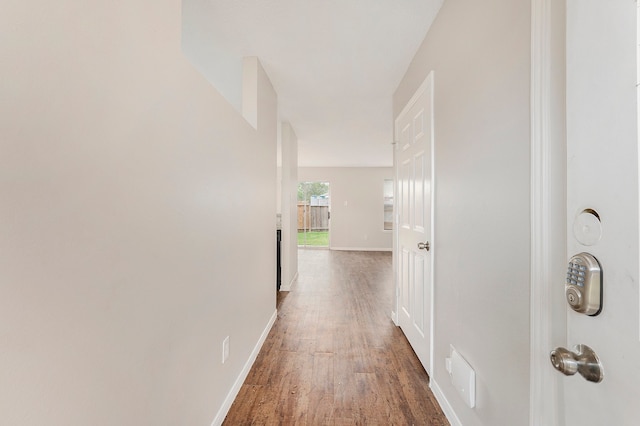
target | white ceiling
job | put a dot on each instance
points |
(334, 64)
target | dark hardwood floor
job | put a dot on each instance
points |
(334, 357)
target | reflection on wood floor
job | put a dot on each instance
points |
(334, 356)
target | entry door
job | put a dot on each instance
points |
(414, 131)
(602, 177)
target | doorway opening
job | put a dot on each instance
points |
(313, 214)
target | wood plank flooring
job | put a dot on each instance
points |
(334, 357)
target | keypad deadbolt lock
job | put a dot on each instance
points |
(583, 284)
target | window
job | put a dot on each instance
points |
(388, 204)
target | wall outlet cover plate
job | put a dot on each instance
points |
(463, 378)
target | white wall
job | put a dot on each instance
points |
(357, 197)
(133, 198)
(289, 201)
(480, 53)
(220, 67)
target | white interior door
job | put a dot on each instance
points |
(602, 175)
(414, 132)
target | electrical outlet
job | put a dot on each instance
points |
(225, 349)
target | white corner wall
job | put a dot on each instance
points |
(480, 54)
(289, 199)
(357, 205)
(137, 220)
(219, 66)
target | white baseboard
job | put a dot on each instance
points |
(361, 248)
(394, 318)
(287, 287)
(231, 396)
(447, 409)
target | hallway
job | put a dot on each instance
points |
(334, 357)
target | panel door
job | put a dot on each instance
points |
(414, 174)
(602, 175)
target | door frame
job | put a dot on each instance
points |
(426, 84)
(548, 207)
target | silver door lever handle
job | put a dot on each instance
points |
(424, 246)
